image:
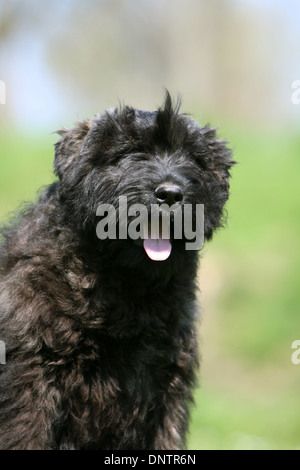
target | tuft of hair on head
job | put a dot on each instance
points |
(169, 121)
(170, 108)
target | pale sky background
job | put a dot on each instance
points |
(37, 97)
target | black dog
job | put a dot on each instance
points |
(100, 338)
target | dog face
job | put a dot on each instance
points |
(160, 157)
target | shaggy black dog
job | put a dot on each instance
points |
(100, 338)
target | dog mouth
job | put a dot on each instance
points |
(158, 249)
(157, 245)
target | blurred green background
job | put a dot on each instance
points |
(234, 63)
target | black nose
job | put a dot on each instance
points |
(169, 194)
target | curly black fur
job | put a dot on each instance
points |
(101, 340)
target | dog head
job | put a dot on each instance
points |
(160, 158)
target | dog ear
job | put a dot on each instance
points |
(67, 149)
(216, 161)
(218, 156)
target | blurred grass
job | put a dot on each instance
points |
(249, 278)
(25, 166)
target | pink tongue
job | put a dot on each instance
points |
(158, 250)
